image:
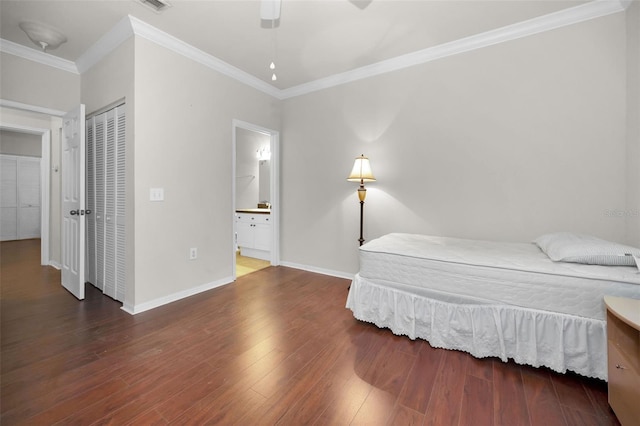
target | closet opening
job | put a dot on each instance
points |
(105, 260)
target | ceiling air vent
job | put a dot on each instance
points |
(156, 5)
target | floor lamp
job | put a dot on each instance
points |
(361, 173)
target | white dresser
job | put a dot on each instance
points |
(623, 340)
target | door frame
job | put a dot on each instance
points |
(45, 167)
(274, 186)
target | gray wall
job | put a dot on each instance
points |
(503, 143)
(17, 143)
(32, 83)
(183, 144)
(631, 214)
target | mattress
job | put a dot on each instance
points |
(486, 272)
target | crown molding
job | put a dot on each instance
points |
(625, 3)
(35, 55)
(144, 30)
(30, 108)
(105, 44)
(130, 25)
(574, 15)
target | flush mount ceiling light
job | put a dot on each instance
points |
(44, 36)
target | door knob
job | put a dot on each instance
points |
(75, 212)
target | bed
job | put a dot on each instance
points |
(496, 299)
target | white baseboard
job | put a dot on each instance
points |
(338, 274)
(142, 307)
(55, 265)
(136, 309)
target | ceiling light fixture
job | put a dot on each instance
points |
(272, 66)
(44, 36)
(263, 153)
(270, 11)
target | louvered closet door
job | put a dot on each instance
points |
(106, 171)
(90, 201)
(99, 195)
(110, 207)
(120, 203)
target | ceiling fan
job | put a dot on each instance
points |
(270, 9)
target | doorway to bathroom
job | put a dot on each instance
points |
(255, 197)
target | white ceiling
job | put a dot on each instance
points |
(314, 39)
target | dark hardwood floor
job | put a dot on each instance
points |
(276, 347)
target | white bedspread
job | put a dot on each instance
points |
(513, 256)
(490, 299)
(519, 274)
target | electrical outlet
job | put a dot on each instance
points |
(193, 253)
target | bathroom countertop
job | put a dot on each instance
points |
(258, 211)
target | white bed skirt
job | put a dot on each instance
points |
(534, 337)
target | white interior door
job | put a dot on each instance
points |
(73, 201)
(20, 197)
(28, 198)
(9, 199)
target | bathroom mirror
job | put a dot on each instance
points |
(264, 174)
(253, 169)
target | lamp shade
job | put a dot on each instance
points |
(361, 171)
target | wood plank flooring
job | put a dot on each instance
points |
(247, 265)
(277, 347)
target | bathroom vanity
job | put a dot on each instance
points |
(253, 227)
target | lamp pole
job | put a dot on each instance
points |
(361, 172)
(362, 193)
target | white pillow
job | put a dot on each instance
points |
(577, 248)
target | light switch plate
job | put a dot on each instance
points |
(156, 194)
